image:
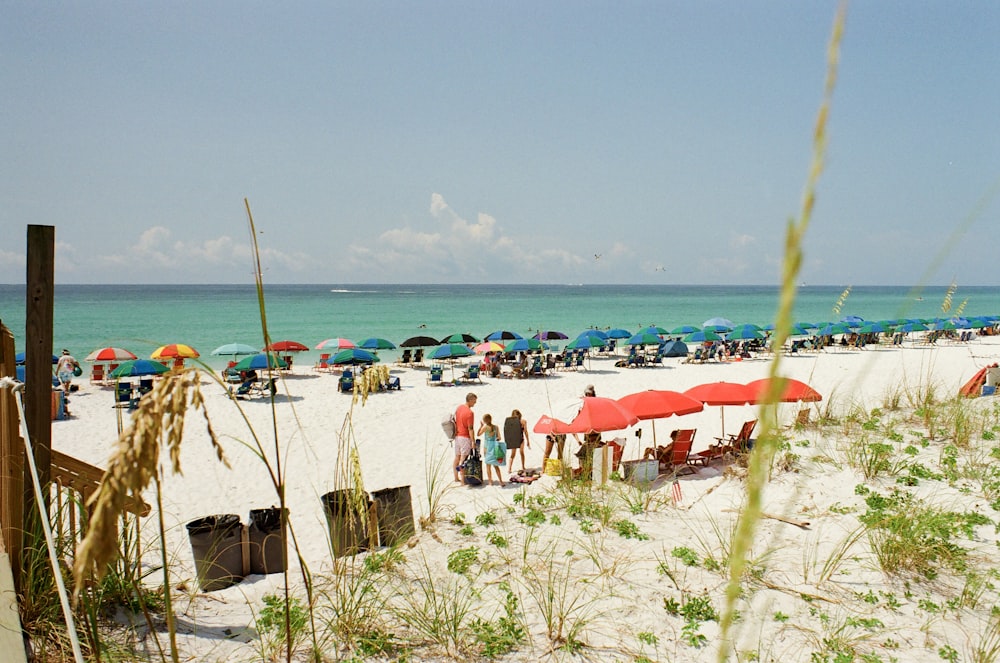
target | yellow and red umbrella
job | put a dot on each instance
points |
(174, 351)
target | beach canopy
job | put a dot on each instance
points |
(137, 367)
(286, 346)
(674, 349)
(260, 362)
(791, 391)
(234, 350)
(337, 344)
(174, 351)
(419, 342)
(352, 356)
(110, 354)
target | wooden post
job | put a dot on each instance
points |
(38, 355)
(11, 463)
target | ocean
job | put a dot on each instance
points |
(143, 317)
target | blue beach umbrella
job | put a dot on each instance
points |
(260, 362)
(524, 345)
(653, 329)
(718, 324)
(451, 351)
(352, 356)
(833, 329)
(235, 350)
(852, 321)
(19, 358)
(803, 324)
(377, 344)
(619, 333)
(871, 328)
(912, 327)
(594, 333)
(685, 329)
(136, 367)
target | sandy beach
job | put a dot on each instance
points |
(400, 443)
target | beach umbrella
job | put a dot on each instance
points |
(501, 335)
(702, 336)
(803, 325)
(912, 327)
(286, 346)
(524, 345)
(137, 367)
(652, 329)
(488, 346)
(718, 324)
(594, 333)
(450, 351)
(377, 344)
(174, 351)
(19, 358)
(722, 394)
(340, 344)
(352, 356)
(599, 414)
(619, 333)
(852, 321)
(871, 328)
(550, 336)
(791, 391)
(684, 329)
(547, 424)
(743, 333)
(235, 350)
(260, 362)
(831, 329)
(110, 354)
(660, 404)
(585, 341)
(419, 342)
(460, 338)
(644, 338)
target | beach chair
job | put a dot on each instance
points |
(405, 358)
(393, 384)
(243, 391)
(418, 356)
(580, 354)
(345, 384)
(436, 376)
(265, 388)
(471, 373)
(123, 395)
(97, 374)
(680, 455)
(568, 361)
(537, 368)
(739, 443)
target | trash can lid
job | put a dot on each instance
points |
(205, 524)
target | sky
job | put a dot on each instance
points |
(499, 142)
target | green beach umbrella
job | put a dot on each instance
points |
(137, 367)
(259, 362)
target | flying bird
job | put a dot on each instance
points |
(597, 256)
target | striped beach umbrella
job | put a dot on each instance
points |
(110, 354)
(174, 351)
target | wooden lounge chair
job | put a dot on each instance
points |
(680, 455)
(739, 443)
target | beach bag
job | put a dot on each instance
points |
(473, 469)
(501, 452)
(553, 467)
(448, 425)
(77, 371)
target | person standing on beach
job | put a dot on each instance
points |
(64, 369)
(515, 434)
(465, 433)
(493, 457)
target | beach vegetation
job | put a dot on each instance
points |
(270, 624)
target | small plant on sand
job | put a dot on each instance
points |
(461, 560)
(271, 623)
(686, 555)
(629, 530)
(506, 632)
(694, 610)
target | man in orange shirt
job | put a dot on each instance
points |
(465, 433)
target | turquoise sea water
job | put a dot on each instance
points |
(143, 317)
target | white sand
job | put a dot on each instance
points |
(398, 436)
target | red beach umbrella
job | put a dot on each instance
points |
(110, 354)
(547, 424)
(601, 414)
(723, 393)
(792, 391)
(659, 404)
(286, 346)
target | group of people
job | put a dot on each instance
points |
(514, 438)
(496, 445)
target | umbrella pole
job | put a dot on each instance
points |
(722, 411)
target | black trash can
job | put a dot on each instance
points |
(217, 546)
(347, 524)
(264, 537)
(394, 515)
